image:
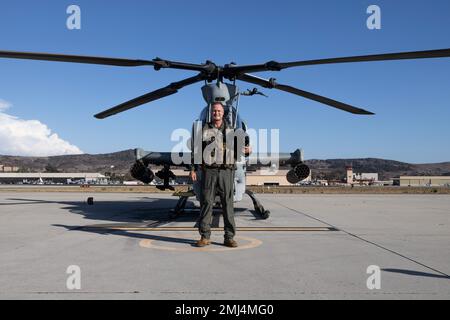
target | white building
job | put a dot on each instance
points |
(16, 177)
(360, 178)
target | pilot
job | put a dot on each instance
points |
(217, 176)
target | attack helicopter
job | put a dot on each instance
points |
(220, 86)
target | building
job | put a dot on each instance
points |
(349, 171)
(182, 176)
(360, 178)
(4, 168)
(424, 181)
(47, 177)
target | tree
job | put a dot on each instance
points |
(50, 168)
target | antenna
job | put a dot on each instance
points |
(238, 95)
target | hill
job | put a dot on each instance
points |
(73, 163)
(122, 160)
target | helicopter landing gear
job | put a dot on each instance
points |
(258, 206)
(179, 208)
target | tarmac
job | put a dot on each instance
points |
(312, 246)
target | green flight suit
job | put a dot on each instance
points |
(217, 179)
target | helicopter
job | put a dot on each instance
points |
(217, 89)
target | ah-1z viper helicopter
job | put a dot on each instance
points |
(228, 93)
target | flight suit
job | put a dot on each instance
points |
(217, 178)
(221, 181)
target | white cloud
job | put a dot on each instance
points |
(29, 137)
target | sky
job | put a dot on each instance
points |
(47, 108)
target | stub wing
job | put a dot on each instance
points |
(298, 172)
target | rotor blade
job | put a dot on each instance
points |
(333, 103)
(161, 63)
(277, 66)
(158, 63)
(325, 100)
(74, 58)
(151, 96)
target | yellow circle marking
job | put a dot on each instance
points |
(214, 246)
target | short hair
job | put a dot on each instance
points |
(218, 103)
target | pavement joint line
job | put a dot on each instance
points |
(362, 239)
(175, 228)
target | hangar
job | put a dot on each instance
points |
(424, 181)
(47, 177)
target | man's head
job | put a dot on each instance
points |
(217, 112)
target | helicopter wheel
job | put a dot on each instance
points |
(263, 212)
(90, 201)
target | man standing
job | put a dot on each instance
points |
(218, 177)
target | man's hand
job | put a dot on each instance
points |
(193, 175)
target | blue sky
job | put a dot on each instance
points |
(411, 98)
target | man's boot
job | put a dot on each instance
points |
(203, 242)
(230, 243)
